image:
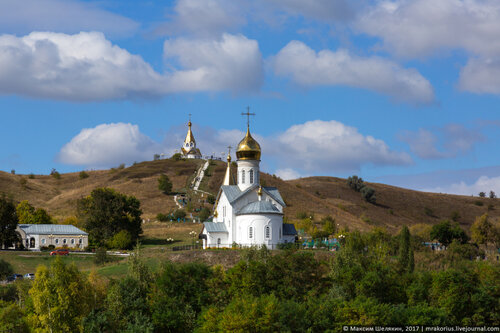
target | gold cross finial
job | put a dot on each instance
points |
(229, 149)
(248, 114)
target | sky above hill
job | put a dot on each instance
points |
(400, 92)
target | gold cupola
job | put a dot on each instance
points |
(248, 148)
(189, 136)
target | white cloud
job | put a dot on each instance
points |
(308, 68)
(287, 174)
(446, 142)
(108, 145)
(482, 184)
(88, 67)
(481, 76)
(204, 18)
(232, 63)
(416, 28)
(330, 146)
(69, 16)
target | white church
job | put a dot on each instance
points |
(247, 214)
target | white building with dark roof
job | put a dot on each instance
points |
(35, 236)
(247, 214)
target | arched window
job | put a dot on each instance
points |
(243, 176)
(267, 231)
(57, 240)
(64, 241)
(218, 242)
(251, 176)
(72, 241)
(43, 240)
(250, 232)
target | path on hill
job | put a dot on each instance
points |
(199, 176)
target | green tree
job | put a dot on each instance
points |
(483, 231)
(61, 297)
(329, 225)
(29, 215)
(482, 194)
(356, 183)
(211, 199)
(8, 223)
(445, 233)
(106, 212)
(164, 184)
(12, 318)
(5, 269)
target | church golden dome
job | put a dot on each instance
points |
(248, 148)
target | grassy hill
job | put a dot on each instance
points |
(318, 196)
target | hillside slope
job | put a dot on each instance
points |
(314, 195)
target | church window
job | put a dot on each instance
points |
(267, 231)
(251, 176)
(80, 241)
(64, 241)
(218, 242)
(43, 240)
(72, 241)
(250, 232)
(57, 240)
(243, 176)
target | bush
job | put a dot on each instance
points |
(478, 203)
(204, 214)
(83, 175)
(179, 214)
(122, 240)
(211, 199)
(301, 215)
(164, 184)
(177, 157)
(368, 194)
(31, 176)
(356, 183)
(163, 217)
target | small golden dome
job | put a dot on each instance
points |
(248, 148)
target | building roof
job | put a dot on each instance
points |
(289, 229)
(215, 226)
(275, 194)
(51, 229)
(233, 193)
(259, 207)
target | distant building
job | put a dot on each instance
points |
(35, 236)
(247, 213)
(188, 148)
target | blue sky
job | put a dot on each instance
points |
(401, 92)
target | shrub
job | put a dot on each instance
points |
(31, 176)
(204, 214)
(179, 214)
(211, 199)
(429, 212)
(482, 194)
(13, 171)
(122, 240)
(356, 183)
(164, 184)
(177, 157)
(83, 175)
(301, 215)
(163, 217)
(455, 216)
(478, 203)
(368, 194)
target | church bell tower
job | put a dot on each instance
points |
(248, 159)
